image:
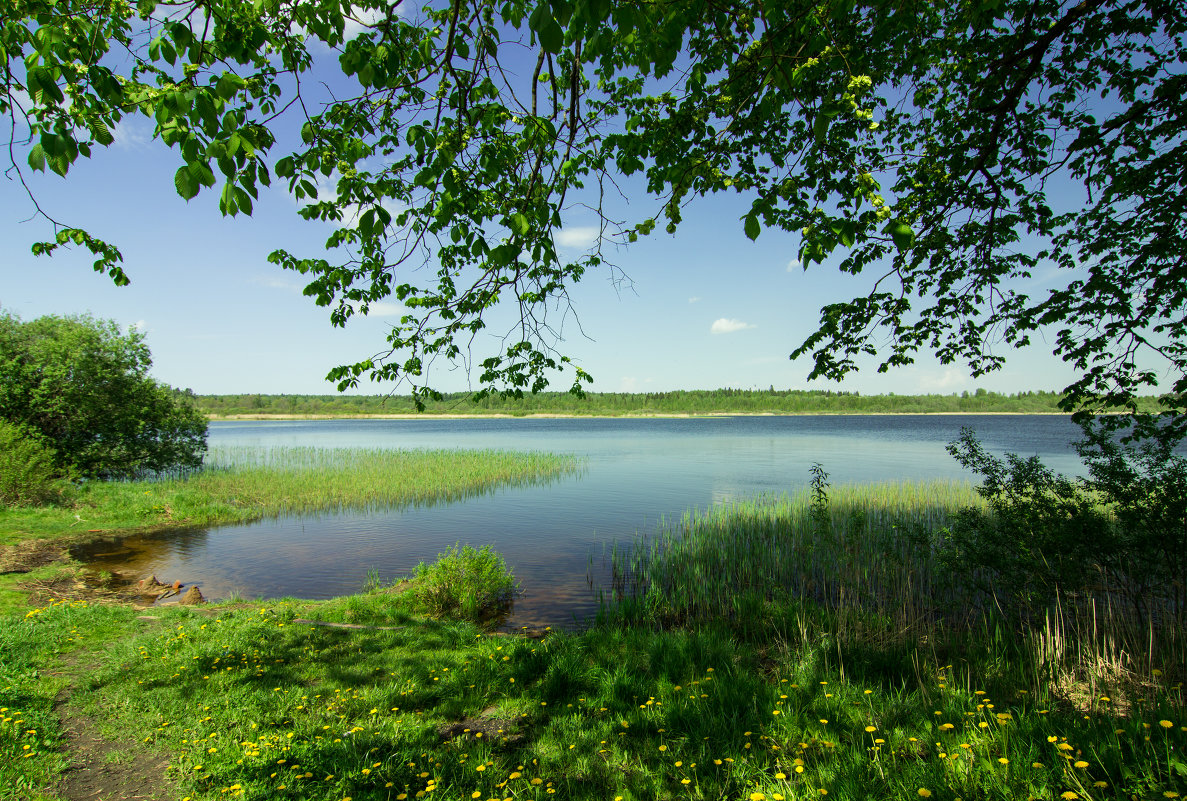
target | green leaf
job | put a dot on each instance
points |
(552, 38)
(753, 228)
(820, 127)
(902, 234)
(37, 158)
(519, 224)
(187, 187)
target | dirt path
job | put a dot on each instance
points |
(103, 769)
(107, 770)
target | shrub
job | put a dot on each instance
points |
(1042, 533)
(28, 476)
(82, 386)
(472, 584)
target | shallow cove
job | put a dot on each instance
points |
(638, 473)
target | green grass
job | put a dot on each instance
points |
(240, 484)
(824, 674)
(252, 704)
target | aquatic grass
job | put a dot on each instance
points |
(243, 483)
(870, 569)
(870, 547)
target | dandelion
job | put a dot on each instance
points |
(1080, 764)
(1069, 795)
(873, 728)
(924, 792)
(1166, 724)
(757, 797)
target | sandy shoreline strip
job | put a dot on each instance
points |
(640, 415)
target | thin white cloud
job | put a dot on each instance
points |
(694, 299)
(726, 325)
(949, 378)
(578, 236)
(132, 134)
(361, 20)
(272, 282)
(794, 265)
(628, 384)
(385, 309)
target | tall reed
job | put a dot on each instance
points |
(870, 571)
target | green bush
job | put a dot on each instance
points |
(471, 584)
(28, 476)
(1045, 535)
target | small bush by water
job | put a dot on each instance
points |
(471, 584)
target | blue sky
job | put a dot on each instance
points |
(703, 309)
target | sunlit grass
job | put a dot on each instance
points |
(790, 655)
(250, 703)
(240, 484)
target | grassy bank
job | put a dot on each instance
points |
(826, 667)
(240, 484)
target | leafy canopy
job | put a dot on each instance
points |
(80, 388)
(1000, 170)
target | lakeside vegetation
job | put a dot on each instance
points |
(719, 401)
(247, 483)
(844, 673)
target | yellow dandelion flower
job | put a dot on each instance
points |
(871, 728)
(663, 748)
(924, 792)
(1166, 724)
(1069, 795)
(757, 797)
(1003, 760)
(780, 775)
(1080, 764)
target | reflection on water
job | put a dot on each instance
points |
(638, 472)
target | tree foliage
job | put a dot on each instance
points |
(82, 389)
(1000, 170)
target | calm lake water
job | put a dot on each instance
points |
(637, 473)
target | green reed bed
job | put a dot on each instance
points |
(866, 547)
(239, 484)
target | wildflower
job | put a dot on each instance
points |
(924, 792)
(874, 728)
(757, 797)
(1068, 795)
(1080, 764)
(1166, 724)
(1003, 760)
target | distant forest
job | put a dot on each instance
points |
(717, 401)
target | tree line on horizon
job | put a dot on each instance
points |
(751, 401)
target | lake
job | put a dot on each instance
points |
(637, 473)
